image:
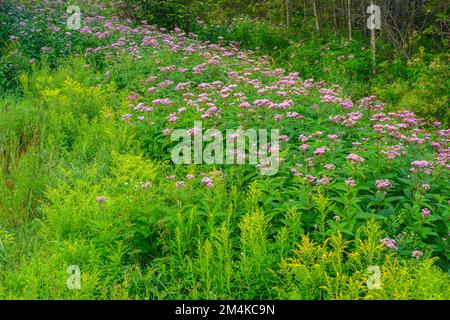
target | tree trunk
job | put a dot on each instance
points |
(336, 18)
(363, 10)
(349, 19)
(187, 17)
(316, 18)
(287, 13)
(373, 40)
(304, 11)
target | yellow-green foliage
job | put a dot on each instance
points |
(427, 93)
(340, 269)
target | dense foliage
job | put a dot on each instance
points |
(86, 176)
(412, 43)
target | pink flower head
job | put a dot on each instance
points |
(330, 166)
(350, 182)
(172, 117)
(100, 199)
(303, 147)
(436, 123)
(303, 138)
(207, 182)
(245, 105)
(277, 117)
(180, 184)
(167, 131)
(425, 212)
(417, 254)
(383, 184)
(320, 151)
(355, 159)
(146, 185)
(389, 243)
(127, 117)
(193, 131)
(420, 163)
(133, 96)
(324, 180)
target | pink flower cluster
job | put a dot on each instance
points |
(383, 184)
(389, 243)
(355, 159)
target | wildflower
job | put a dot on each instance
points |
(350, 182)
(101, 200)
(320, 151)
(180, 184)
(329, 166)
(303, 147)
(425, 212)
(172, 117)
(146, 185)
(337, 218)
(389, 243)
(355, 159)
(207, 182)
(324, 180)
(193, 131)
(167, 131)
(383, 184)
(417, 254)
(190, 177)
(245, 105)
(303, 138)
(233, 136)
(127, 117)
(277, 117)
(133, 96)
(420, 163)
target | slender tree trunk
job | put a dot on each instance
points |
(287, 13)
(336, 18)
(373, 40)
(363, 10)
(316, 17)
(187, 17)
(349, 19)
(304, 11)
